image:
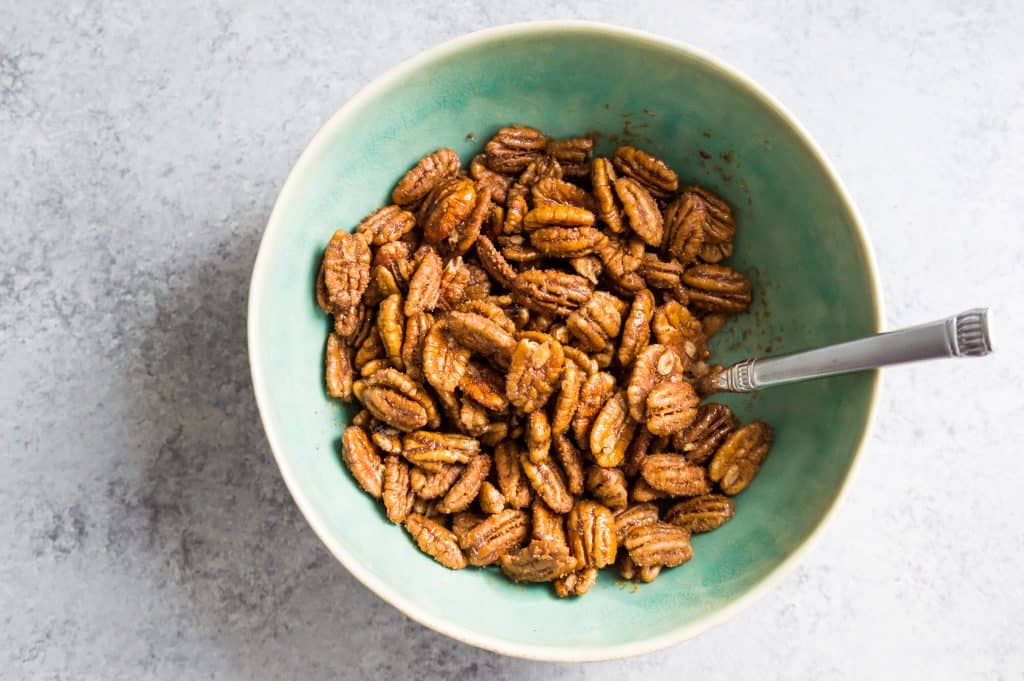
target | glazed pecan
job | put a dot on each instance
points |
(391, 327)
(434, 485)
(566, 242)
(602, 180)
(386, 224)
(362, 460)
(621, 265)
(590, 531)
(717, 288)
(708, 430)
(658, 544)
(739, 458)
(496, 183)
(447, 205)
(636, 452)
(576, 583)
(641, 210)
(608, 486)
(494, 262)
(548, 482)
(444, 360)
(719, 225)
(513, 148)
(346, 266)
(671, 406)
(436, 541)
(568, 397)
(597, 323)
(636, 330)
(467, 487)
(547, 525)
(684, 228)
(536, 366)
(571, 460)
(612, 432)
(550, 291)
(485, 386)
(431, 170)
(338, 368)
(482, 335)
(538, 562)
(399, 401)
(417, 326)
(557, 215)
(572, 154)
(538, 436)
(511, 480)
(634, 516)
(428, 449)
(596, 390)
(495, 536)
(550, 191)
(465, 234)
(701, 514)
(517, 249)
(425, 284)
(675, 327)
(674, 475)
(491, 499)
(397, 491)
(657, 364)
(650, 171)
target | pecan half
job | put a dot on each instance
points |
(647, 169)
(590, 530)
(436, 541)
(597, 323)
(534, 371)
(425, 448)
(572, 154)
(717, 288)
(641, 210)
(338, 368)
(444, 359)
(511, 480)
(658, 544)
(362, 460)
(397, 491)
(608, 486)
(671, 406)
(495, 536)
(571, 460)
(538, 562)
(448, 204)
(612, 432)
(674, 475)
(634, 516)
(548, 482)
(739, 458)
(708, 430)
(467, 487)
(434, 484)
(550, 291)
(701, 514)
(428, 172)
(513, 148)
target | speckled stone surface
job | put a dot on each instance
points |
(145, 530)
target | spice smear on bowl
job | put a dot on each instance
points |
(527, 341)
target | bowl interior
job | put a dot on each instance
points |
(797, 240)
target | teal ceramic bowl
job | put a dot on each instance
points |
(799, 239)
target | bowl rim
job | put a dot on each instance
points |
(551, 653)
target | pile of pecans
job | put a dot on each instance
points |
(528, 344)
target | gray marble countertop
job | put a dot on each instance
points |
(146, 532)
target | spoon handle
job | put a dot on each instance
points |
(962, 335)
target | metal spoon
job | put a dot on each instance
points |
(962, 335)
